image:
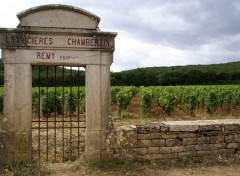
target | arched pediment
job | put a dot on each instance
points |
(58, 16)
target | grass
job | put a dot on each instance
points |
(118, 163)
(23, 169)
(185, 160)
(120, 167)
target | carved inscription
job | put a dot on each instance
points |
(67, 57)
(28, 40)
(88, 42)
(16, 40)
(45, 55)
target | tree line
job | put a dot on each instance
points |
(228, 73)
(215, 74)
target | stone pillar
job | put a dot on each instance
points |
(97, 108)
(16, 122)
(93, 113)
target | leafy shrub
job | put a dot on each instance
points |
(145, 97)
(124, 97)
(72, 103)
(51, 103)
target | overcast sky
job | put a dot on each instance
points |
(157, 32)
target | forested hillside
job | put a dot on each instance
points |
(228, 73)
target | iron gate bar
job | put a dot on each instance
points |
(39, 110)
(78, 115)
(55, 114)
(47, 117)
(63, 101)
(70, 106)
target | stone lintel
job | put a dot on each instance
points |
(48, 40)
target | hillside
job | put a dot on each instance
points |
(226, 73)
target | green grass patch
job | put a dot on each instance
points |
(189, 160)
(118, 163)
(23, 169)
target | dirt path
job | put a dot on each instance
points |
(66, 170)
(233, 170)
(221, 165)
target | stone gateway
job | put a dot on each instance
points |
(54, 35)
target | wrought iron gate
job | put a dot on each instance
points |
(58, 122)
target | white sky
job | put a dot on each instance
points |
(157, 32)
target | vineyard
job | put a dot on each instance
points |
(188, 99)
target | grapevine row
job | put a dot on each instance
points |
(185, 98)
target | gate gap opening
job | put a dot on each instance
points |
(58, 113)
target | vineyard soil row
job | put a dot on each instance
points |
(133, 114)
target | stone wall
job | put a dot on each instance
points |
(171, 140)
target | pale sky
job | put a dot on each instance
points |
(157, 32)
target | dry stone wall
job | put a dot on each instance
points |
(171, 140)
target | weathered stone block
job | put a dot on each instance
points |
(173, 142)
(168, 135)
(125, 153)
(158, 143)
(231, 138)
(211, 127)
(208, 147)
(232, 127)
(122, 138)
(24, 157)
(170, 156)
(154, 156)
(229, 133)
(216, 139)
(190, 147)
(141, 129)
(186, 135)
(23, 143)
(189, 141)
(141, 151)
(219, 146)
(149, 136)
(107, 154)
(203, 140)
(165, 149)
(203, 153)
(153, 150)
(189, 154)
(144, 143)
(151, 128)
(93, 146)
(186, 126)
(211, 133)
(227, 151)
(233, 145)
(177, 149)
(198, 147)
